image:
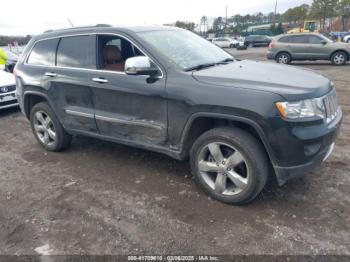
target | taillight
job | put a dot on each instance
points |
(272, 44)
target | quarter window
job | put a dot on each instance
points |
(43, 53)
(285, 39)
(77, 51)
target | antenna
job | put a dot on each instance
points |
(70, 22)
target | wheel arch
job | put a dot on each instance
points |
(283, 51)
(340, 50)
(30, 99)
(199, 123)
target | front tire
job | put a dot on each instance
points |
(47, 129)
(283, 58)
(339, 58)
(230, 165)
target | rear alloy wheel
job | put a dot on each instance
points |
(47, 129)
(230, 165)
(283, 58)
(339, 58)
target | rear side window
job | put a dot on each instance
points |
(77, 51)
(43, 53)
(300, 39)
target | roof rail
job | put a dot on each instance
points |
(78, 27)
(103, 25)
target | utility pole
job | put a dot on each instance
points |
(225, 16)
(274, 22)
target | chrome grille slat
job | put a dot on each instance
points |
(331, 105)
(10, 88)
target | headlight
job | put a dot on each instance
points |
(310, 109)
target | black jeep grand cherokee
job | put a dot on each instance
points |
(168, 90)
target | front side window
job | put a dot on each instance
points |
(43, 53)
(315, 40)
(113, 51)
(77, 52)
(183, 48)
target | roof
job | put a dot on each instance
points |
(103, 28)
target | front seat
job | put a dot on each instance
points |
(113, 59)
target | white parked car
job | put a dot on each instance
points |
(225, 42)
(7, 90)
(347, 39)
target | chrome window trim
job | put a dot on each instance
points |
(86, 69)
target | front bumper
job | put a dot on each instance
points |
(8, 100)
(323, 145)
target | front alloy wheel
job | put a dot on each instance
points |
(339, 58)
(229, 164)
(223, 168)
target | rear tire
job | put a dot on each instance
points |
(230, 165)
(339, 58)
(47, 129)
(283, 58)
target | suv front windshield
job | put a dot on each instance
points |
(185, 49)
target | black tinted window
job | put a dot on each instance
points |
(314, 39)
(43, 53)
(285, 39)
(300, 39)
(77, 51)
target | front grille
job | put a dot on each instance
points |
(7, 89)
(331, 105)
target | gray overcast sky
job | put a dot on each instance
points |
(23, 17)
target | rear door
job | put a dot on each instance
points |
(69, 82)
(299, 47)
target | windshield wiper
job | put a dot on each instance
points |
(199, 67)
(226, 60)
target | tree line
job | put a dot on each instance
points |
(319, 10)
(21, 40)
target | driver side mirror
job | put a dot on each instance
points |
(140, 65)
(323, 42)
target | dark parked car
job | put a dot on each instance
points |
(171, 91)
(286, 48)
(257, 40)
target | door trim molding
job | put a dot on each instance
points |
(129, 122)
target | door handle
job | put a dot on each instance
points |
(100, 80)
(50, 74)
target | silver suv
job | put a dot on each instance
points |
(285, 48)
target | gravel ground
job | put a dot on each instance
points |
(103, 198)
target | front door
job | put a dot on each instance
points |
(127, 107)
(317, 49)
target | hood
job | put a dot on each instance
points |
(290, 82)
(6, 79)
